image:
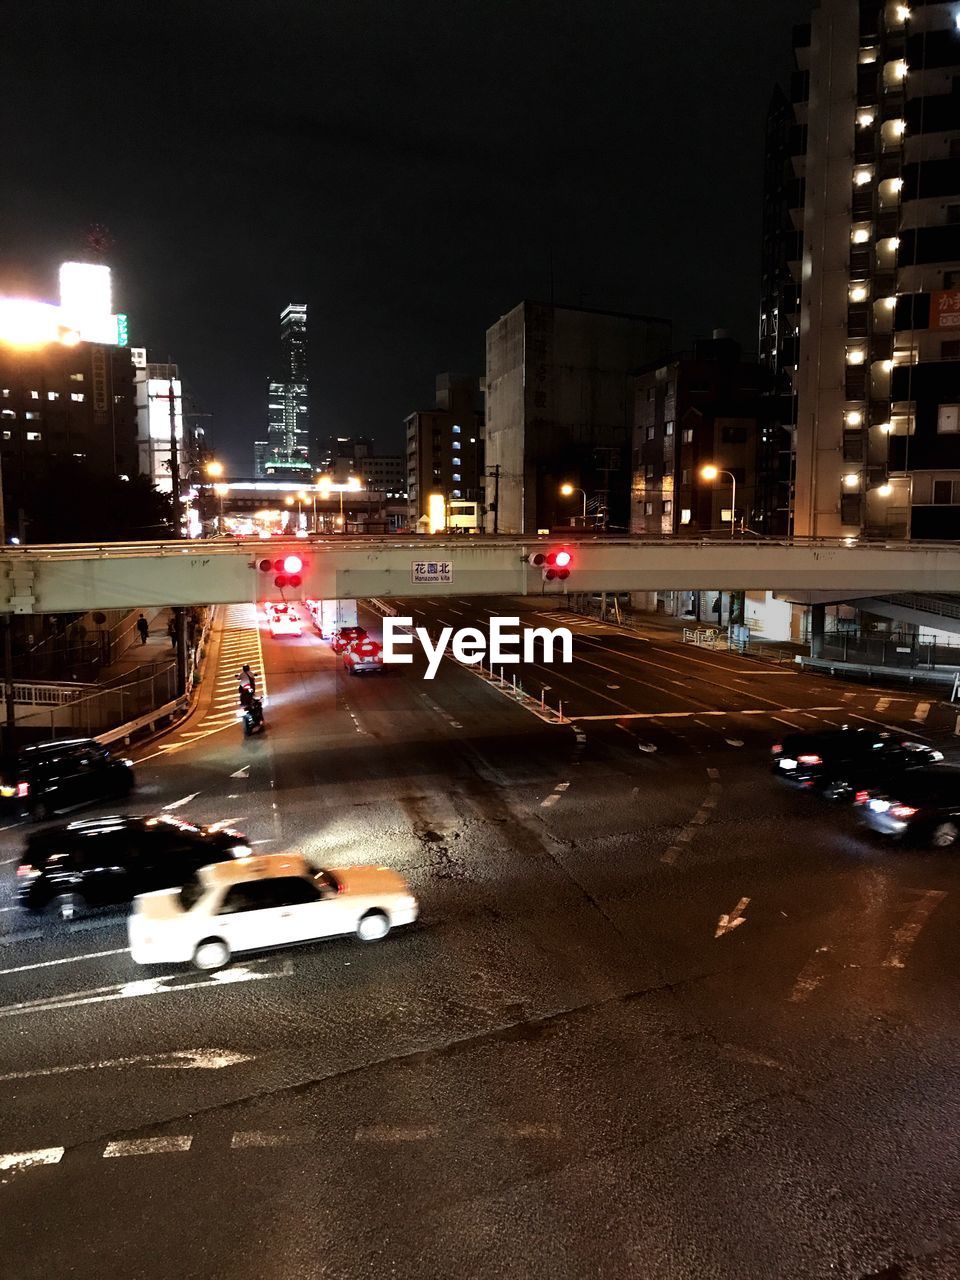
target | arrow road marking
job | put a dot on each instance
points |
(202, 1059)
(178, 804)
(733, 921)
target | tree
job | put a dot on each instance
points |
(76, 504)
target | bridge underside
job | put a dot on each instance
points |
(72, 578)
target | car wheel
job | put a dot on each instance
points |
(65, 906)
(373, 926)
(211, 953)
(945, 835)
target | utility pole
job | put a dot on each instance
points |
(10, 711)
(495, 472)
(179, 616)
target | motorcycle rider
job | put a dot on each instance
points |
(247, 679)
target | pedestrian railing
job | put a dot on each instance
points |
(704, 638)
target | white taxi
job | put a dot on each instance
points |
(284, 620)
(251, 904)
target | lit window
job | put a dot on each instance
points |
(473, 439)
(890, 303)
(860, 235)
(8, 435)
(668, 507)
(948, 419)
(456, 428)
(668, 429)
(862, 176)
(855, 355)
(687, 436)
(456, 493)
(34, 395)
(898, 69)
(77, 396)
(456, 476)
(6, 393)
(648, 508)
(901, 13)
(53, 395)
(851, 480)
(685, 515)
(31, 417)
(854, 418)
(7, 413)
(456, 444)
(33, 435)
(76, 377)
(858, 293)
(865, 119)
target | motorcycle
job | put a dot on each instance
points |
(251, 716)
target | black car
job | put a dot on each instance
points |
(838, 763)
(923, 807)
(102, 861)
(53, 776)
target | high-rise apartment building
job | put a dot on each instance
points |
(285, 454)
(445, 446)
(874, 140)
(558, 411)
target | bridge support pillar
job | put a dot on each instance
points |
(818, 619)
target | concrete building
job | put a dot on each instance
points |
(343, 456)
(557, 411)
(445, 446)
(63, 401)
(286, 452)
(876, 163)
(700, 407)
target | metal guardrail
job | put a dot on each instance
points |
(704, 638)
(926, 604)
(37, 693)
(126, 731)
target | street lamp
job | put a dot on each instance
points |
(568, 490)
(214, 470)
(710, 472)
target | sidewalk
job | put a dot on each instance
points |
(157, 652)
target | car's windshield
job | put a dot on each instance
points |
(191, 893)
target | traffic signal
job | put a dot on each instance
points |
(288, 570)
(554, 564)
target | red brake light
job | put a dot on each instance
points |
(777, 748)
(861, 797)
(24, 869)
(902, 811)
(809, 759)
(23, 789)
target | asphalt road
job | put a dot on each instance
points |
(575, 1064)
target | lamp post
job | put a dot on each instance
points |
(568, 490)
(214, 471)
(220, 490)
(710, 472)
(324, 485)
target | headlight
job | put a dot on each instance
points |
(239, 850)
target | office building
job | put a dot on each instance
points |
(445, 447)
(344, 456)
(558, 412)
(875, 191)
(286, 454)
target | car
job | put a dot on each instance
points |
(363, 656)
(922, 807)
(284, 620)
(346, 636)
(101, 861)
(50, 777)
(257, 903)
(839, 762)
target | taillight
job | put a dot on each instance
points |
(777, 748)
(902, 811)
(809, 759)
(23, 789)
(861, 797)
(25, 869)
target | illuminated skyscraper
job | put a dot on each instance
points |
(287, 452)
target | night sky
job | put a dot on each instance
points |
(408, 169)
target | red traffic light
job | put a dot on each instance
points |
(557, 564)
(292, 564)
(562, 559)
(287, 569)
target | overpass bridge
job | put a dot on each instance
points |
(69, 578)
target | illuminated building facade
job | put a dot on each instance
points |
(287, 451)
(876, 194)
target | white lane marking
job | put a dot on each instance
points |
(848, 695)
(133, 990)
(677, 715)
(909, 931)
(809, 977)
(246, 1138)
(526, 1129)
(9, 861)
(700, 818)
(10, 908)
(788, 723)
(727, 923)
(178, 1059)
(921, 713)
(46, 964)
(242, 773)
(561, 786)
(148, 1146)
(27, 1159)
(882, 704)
(178, 804)
(734, 742)
(395, 1133)
(550, 800)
